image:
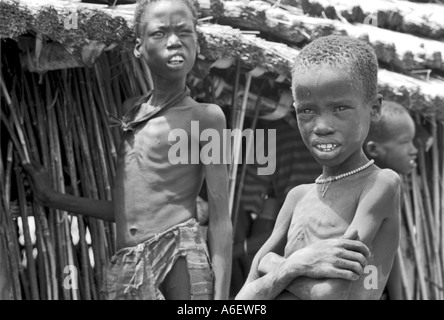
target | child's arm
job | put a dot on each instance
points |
(332, 258)
(273, 283)
(48, 197)
(394, 281)
(377, 223)
(220, 231)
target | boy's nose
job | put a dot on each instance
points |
(174, 41)
(413, 150)
(322, 127)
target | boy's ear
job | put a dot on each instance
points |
(372, 149)
(376, 107)
(137, 48)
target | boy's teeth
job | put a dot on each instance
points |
(327, 146)
(176, 59)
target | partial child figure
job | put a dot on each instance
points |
(390, 143)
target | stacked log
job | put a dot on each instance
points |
(404, 52)
(425, 19)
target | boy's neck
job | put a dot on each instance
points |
(352, 163)
(163, 90)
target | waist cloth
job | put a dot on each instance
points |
(135, 273)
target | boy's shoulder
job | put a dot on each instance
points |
(299, 191)
(129, 103)
(204, 107)
(382, 184)
(208, 113)
(385, 176)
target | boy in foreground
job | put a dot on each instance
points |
(334, 87)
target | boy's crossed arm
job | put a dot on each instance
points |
(341, 258)
(377, 224)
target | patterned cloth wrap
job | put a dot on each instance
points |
(136, 273)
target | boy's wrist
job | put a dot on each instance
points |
(295, 267)
(48, 199)
(290, 270)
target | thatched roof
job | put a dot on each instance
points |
(287, 28)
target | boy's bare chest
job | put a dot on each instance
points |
(156, 136)
(324, 213)
(317, 218)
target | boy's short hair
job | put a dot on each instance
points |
(380, 129)
(355, 56)
(141, 9)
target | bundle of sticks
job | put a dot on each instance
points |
(59, 120)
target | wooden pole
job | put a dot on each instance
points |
(11, 236)
(65, 118)
(29, 248)
(249, 149)
(238, 143)
(48, 233)
(441, 144)
(416, 246)
(436, 208)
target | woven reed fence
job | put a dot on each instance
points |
(60, 119)
(421, 249)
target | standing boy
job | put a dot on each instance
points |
(161, 253)
(335, 91)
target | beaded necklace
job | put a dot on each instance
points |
(338, 177)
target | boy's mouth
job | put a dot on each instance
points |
(326, 147)
(176, 59)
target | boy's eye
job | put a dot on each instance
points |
(305, 111)
(186, 32)
(158, 34)
(340, 108)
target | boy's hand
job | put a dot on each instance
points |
(343, 257)
(40, 182)
(270, 261)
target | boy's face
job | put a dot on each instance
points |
(169, 41)
(332, 116)
(398, 151)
